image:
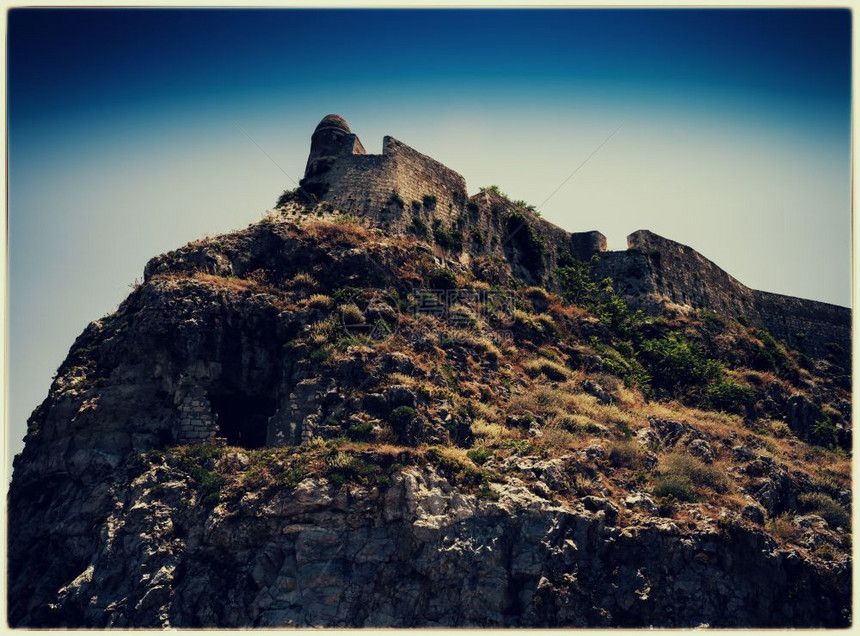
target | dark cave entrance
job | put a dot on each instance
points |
(243, 419)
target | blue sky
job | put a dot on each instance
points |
(125, 139)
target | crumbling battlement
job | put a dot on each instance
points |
(385, 186)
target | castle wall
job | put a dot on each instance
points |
(656, 270)
(417, 175)
(361, 184)
(364, 184)
(686, 277)
(818, 329)
(631, 275)
(584, 245)
(196, 423)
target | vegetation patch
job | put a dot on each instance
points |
(627, 454)
(683, 477)
(197, 461)
(826, 507)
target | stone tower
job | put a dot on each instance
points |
(331, 139)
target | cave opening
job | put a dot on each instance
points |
(242, 419)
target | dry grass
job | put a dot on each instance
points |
(567, 408)
(585, 404)
(552, 370)
(627, 454)
(784, 529)
(352, 315)
(682, 465)
(223, 282)
(479, 343)
(712, 423)
(488, 412)
(330, 233)
(302, 280)
(555, 435)
(488, 433)
(324, 330)
(320, 301)
(463, 316)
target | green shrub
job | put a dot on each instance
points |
(196, 461)
(360, 432)
(321, 355)
(442, 279)
(771, 356)
(522, 236)
(395, 199)
(674, 487)
(825, 507)
(824, 433)
(728, 395)
(494, 189)
(429, 201)
(400, 418)
(418, 226)
(576, 283)
(448, 239)
(292, 477)
(345, 468)
(712, 319)
(472, 206)
(479, 455)
(674, 363)
(286, 197)
(622, 362)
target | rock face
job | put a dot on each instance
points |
(416, 553)
(405, 420)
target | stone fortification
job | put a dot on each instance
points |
(402, 189)
(655, 271)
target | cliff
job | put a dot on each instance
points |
(410, 418)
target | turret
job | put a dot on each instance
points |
(331, 139)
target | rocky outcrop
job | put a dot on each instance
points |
(416, 553)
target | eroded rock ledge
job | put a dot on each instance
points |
(420, 552)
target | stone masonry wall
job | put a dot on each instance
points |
(655, 271)
(417, 175)
(818, 329)
(196, 423)
(364, 184)
(361, 184)
(686, 277)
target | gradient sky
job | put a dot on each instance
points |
(126, 135)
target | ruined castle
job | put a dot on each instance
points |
(402, 184)
(404, 191)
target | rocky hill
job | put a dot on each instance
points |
(423, 417)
